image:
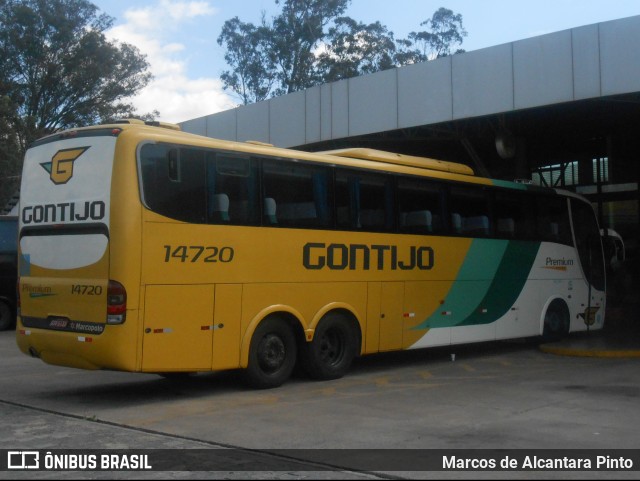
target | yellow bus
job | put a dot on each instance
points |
(143, 248)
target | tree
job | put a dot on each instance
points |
(277, 57)
(253, 74)
(58, 70)
(296, 33)
(9, 152)
(354, 49)
(444, 30)
(310, 43)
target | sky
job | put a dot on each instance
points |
(179, 36)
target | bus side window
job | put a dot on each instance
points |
(189, 200)
(470, 213)
(173, 181)
(514, 214)
(232, 189)
(420, 204)
(553, 219)
(300, 194)
(364, 201)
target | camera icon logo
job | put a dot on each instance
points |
(23, 460)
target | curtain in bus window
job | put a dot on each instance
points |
(321, 196)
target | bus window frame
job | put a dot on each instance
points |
(392, 183)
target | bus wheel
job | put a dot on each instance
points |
(272, 354)
(332, 350)
(6, 315)
(556, 321)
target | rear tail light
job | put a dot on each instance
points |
(116, 303)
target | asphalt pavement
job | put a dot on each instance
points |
(504, 395)
(620, 337)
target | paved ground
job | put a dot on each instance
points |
(620, 337)
(582, 393)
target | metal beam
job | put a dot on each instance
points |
(481, 169)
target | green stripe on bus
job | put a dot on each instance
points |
(471, 285)
(509, 184)
(507, 284)
(491, 278)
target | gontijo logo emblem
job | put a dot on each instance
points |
(61, 166)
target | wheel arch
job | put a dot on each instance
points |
(302, 331)
(288, 314)
(551, 300)
(340, 309)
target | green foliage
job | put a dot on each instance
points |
(277, 57)
(295, 34)
(253, 73)
(58, 70)
(310, 43)
(10, 162)
(444, 30)
(354, 49)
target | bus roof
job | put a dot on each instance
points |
(401, 159)
(355, 157)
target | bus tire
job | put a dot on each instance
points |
(6, 315)
(334, 346)
(272, 354)
(556, 321)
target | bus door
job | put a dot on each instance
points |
(589, 246)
